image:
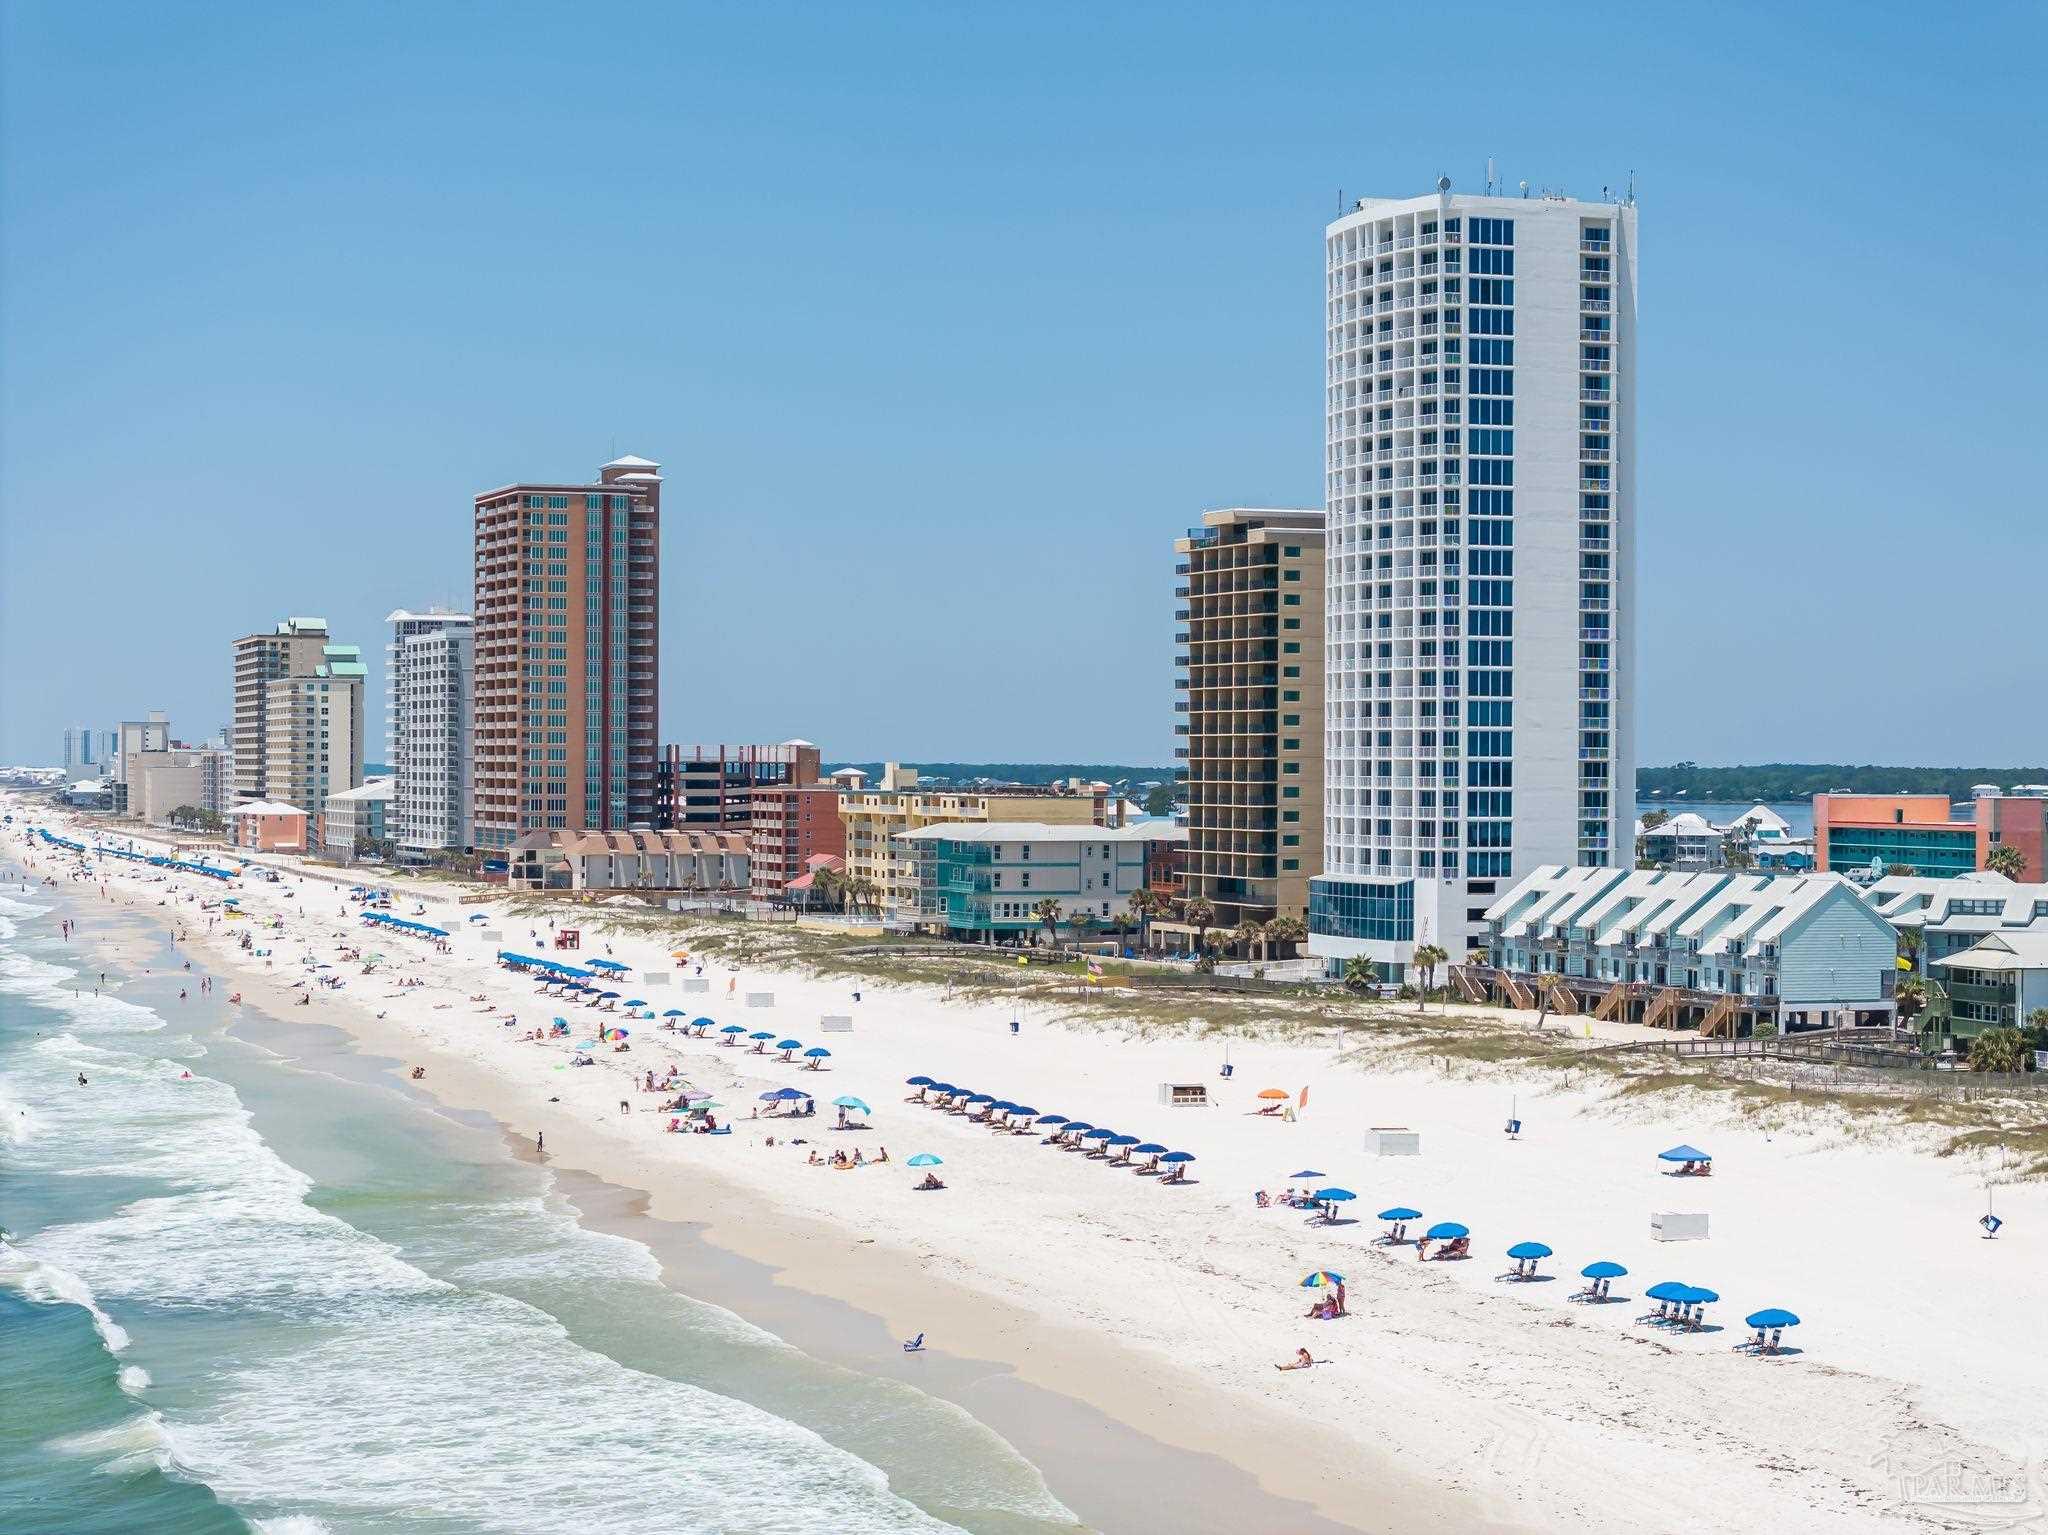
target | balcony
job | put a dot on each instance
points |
(1595, 365)
(1594, 247)
(1595, 333)
(1589, 482)
(1595, 456)
(1596, 305)
(1595, 396)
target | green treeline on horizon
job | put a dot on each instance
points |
(1782, 781)
(1770, 782)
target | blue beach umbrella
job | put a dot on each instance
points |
(1078, 1127)
(1123, 1140)
(1695, 1295)
(1098, 1134)
(674, 1012)
(789, 1044)
(1334, 1196)
(917, 1081)
(1052, 1119)
(981, 1098)
(817, 1053)
(1024, 1109)
(1683, 1154)
(1668, 1289)
(1002, 1106)
(1603, 1270)
(1445, 1231)
(702, 1023)
(1149, 1149)
(1528, 1250)
(773, 1095)
(1400, 1213)
(636, 1001)
(761, 1034)
(850, 1102)
(1178, 1156)
(1311, 1173)
(605, 996)
(790, 1094)
(1773, 1316)
(925, 1159)
(733, 1028)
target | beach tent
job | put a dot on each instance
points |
(1684, 1154)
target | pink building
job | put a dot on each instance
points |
(268, 826)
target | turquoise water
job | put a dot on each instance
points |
(284, 1294)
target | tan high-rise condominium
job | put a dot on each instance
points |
(292, 649)
(1249, 709)
(566, 667)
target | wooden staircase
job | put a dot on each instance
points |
(1664, 1010)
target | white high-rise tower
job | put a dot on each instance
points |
(432, 661)
(1480, 410)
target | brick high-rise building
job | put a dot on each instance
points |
(566, 666)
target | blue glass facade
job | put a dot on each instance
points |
(1378, 910)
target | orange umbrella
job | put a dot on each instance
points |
(1273, 1092)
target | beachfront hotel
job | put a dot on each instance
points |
(793, 826)
(875, 817)
(566, 668)
(431, 660)
(1249, 711)
(1866, 835)
(987, 880)
(1479, 409)
(292, 649)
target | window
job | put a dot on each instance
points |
(1492, 231)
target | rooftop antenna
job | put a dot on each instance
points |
(1525, 189)
(1630, 199)
(1492, 182)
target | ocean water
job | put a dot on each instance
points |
(282, 1294)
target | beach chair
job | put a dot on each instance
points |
(914, 1345)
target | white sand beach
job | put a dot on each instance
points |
(1910, 1395)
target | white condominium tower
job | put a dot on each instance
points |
(432, 657)
(1480, 411)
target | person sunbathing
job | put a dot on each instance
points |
(1260, 1199)
(931, 1181)
(1301, 1361)
(815, 1159)
(882, 1156)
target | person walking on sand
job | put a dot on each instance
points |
(540, 1140)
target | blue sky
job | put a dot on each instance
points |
(943, 319)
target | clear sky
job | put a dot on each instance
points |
(944, 320)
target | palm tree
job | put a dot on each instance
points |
(1427, 957)
(1911, 998)
(1048, 912)
(1997, 1050)
(1286, 930)
(1146, 903)
(2007, 860)
(1910, 939)
(1361, 974)
(1251, 934)
(1199, 913)
(1084, 923)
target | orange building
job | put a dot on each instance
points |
(268, 826)
(1921, 833)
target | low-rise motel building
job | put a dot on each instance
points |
(1866, 835)
(268, 826)
(875, 817)
(694, 861)
(987, 880)
(1721, 952)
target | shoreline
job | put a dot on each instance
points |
(1111, 1474)
(1491, 1406)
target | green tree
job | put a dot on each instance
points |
(1427, 957)
(1738, 855)
(1900, 870)
(1198, 913)
(1251, 937)
(1146, 903)
(2006, 859)
(1159, 800)
(1289, 930)
(1910, 940)
(1048, 912)
(1997, 1050)
(1911, 998)
(1361, 974)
